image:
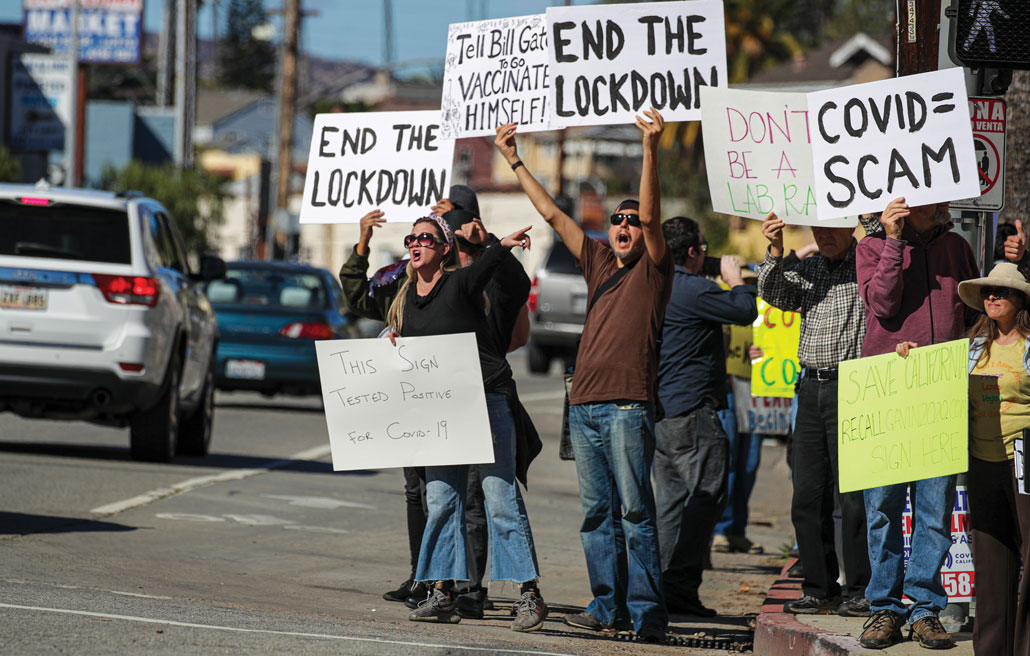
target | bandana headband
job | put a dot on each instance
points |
(448, 234)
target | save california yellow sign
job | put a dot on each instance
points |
(778, 334)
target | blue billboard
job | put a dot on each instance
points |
(110, 31)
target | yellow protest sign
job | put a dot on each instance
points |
(778, 334)
(903, 419)
(738, 362)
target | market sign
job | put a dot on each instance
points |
(110, 31)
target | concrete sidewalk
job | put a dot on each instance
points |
(778, 633)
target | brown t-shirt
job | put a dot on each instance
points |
(616, 358)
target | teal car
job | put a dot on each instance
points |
(269, 316)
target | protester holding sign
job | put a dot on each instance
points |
(692, 451)
(832, 328)
(437, 299)
(612, 402)
(908, 277)
(999, 399)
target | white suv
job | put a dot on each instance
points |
(102, 318)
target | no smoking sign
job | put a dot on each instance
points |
(988, 117)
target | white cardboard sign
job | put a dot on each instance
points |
(611, 62)
(496, 72)
(398, 162)
(420, 403)
(908, 136)
(758, 155)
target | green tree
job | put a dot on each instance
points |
(194, 199)
(10, 167)
(246, 62)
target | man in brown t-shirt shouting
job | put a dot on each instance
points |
(612, 403)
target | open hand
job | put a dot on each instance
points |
(443, 206)
(652, 129)
(373, 219)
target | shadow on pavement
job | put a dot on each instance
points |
(12, 523)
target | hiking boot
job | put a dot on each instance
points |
(417, 594)
(809, 605)
(402, 592)
(881, 630)
(531, 611)
(437, 607)
(651, 633)
(854, 607)
(929, 633)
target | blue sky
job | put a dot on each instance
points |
(353, 29)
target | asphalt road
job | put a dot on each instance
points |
(262, 548)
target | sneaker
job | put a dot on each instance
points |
(651, 633)
(929, 633)
(735, 544)
(796, 571)
(721, 544)
(854, 607)
(881, 630)
(402, 592)
(531, 612)
(437, 607)
(585, 620)
(417, 594)
(809, 605)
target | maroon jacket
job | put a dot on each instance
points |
(910, 288)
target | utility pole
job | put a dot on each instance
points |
(388, 37)
(918, 38)
(185, 81)
(73, 171)
(166, 56)
(287, 100)
(560, 192)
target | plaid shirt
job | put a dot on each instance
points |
(832, 313)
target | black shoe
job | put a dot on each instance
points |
(797, 571)
(651, 633)
(679, 605)
(585, 620)
(854, 607)
(418, 594)
(402, 592)
(809, 605)
(471, 604)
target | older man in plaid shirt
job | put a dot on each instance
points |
(833, 325)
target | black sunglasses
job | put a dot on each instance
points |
(424, 240)
(997, 292)
(634, 219)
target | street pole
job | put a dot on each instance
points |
(166, 56)
(918, 40)
(185, 81)
(71, 136)
(287, 100)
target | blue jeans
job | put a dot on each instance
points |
(933, 500)
(745, 457)
(512, 553)
(614, 444)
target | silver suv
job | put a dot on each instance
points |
(557, 307)
(102, 318)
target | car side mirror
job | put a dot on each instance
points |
(212, 267)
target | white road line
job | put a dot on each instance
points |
(327, 636)
(137, 594)
(233, 475)
(555, 395)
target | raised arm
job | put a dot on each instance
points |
(650, 189)
(354, 275)
(878, 263)
(778, 284)
(569, 231)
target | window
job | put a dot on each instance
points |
(270, 287)
(65, 231)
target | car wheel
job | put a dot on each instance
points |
(154, 432)
(195, 432)
(539, 360)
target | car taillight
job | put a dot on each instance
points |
(534, 294)
(29, 200)
(307, 330)
(128, 290)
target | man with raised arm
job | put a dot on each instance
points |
(613, 400)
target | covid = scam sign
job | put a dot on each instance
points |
(758, 154)
(110, 31)
(904, 137)
(778, 334)
(903, 419)
(611, 62)
(496, 72)
(419, 403)
(957, 573)
(394, 161)
(988, 120)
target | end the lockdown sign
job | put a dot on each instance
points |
(903, 419)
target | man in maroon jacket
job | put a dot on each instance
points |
(908, 277)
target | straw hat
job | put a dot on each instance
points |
(1005, 274)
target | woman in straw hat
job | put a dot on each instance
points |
(999, 403)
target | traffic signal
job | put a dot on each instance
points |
(990, 33)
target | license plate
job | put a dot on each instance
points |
(22, 298)
(579, 303)
(250, 369)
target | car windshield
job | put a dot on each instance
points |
(269, 287)
(65, 231)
